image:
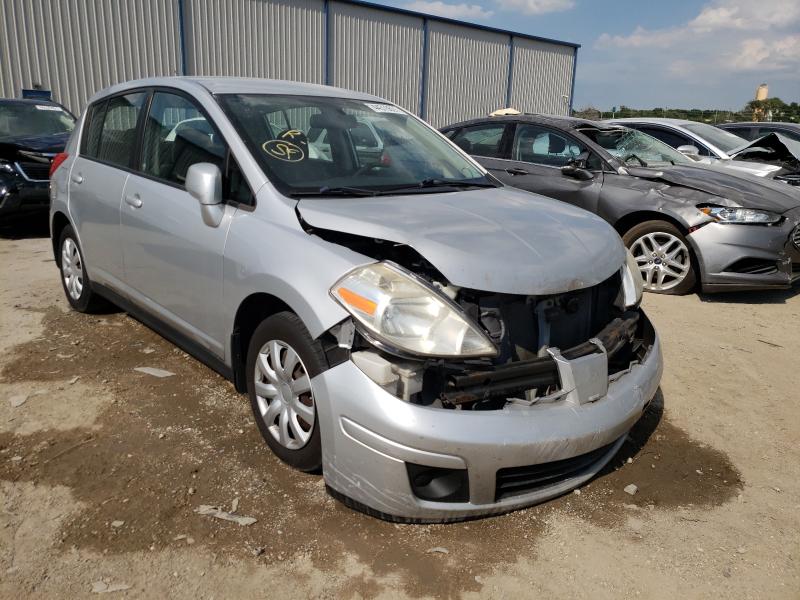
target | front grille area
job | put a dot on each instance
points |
(515, 481)
(35, 171)
(796, 237)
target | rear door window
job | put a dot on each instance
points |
(118, 131)
(176, 136)
(481, 140)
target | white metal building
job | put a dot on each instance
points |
(440, 69)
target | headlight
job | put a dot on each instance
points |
(723, 214)
(396, 308)
(632, 282)
(7, 167)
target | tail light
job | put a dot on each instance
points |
(57, 160)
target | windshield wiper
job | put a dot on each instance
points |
(335, 191)
(427, 184)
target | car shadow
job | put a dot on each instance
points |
(639, 434)
(752, 297)
(25, 227)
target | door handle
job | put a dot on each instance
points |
(77, 178)
(134, 201)
(516, 171)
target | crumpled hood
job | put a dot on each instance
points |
(742, 189)
(50, 143)
(499, 239)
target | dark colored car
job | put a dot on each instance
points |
(32, 132)
(682, 221)
(753, 130)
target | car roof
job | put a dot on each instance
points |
(555, 120)
(237, 85)
(651, 120)
(30, 101)
(761, 124)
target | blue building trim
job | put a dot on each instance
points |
(327, 62)
(423, 83)
(414, 13)
(182, 37)
(510, 82)
(572, 89)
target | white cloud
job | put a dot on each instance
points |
(752, 15)
(757, 54)
(535, 7)
(452, 11)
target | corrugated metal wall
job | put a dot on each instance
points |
(542, 77)
(277, 39)
(467, 73)
(75, 47)
(377, 52)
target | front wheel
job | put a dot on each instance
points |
(663, 256)
(281, 361)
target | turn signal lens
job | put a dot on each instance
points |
(57, 160)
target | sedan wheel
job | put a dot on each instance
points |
(663, 260)
(284, 395)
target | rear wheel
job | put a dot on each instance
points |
(663, 256)
(74, 278)
(281, 361)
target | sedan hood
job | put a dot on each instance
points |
(499, 239)
(744, 190)
(50, 143)
(775, 149)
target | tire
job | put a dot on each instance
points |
(74, 278)
(281, 397)
(664, 257)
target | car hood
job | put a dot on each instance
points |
(499, 239)
(46, 144)
(744, 190)
(775, 149)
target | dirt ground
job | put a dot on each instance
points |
(102, 468)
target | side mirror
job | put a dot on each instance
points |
(576, 172)
(204, 183)
(689, 150)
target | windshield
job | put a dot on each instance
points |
(635, 148)
(317, 145)
(724, 140)
(19, 119)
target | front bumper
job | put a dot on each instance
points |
(18, 197)
(369, 436)
(748, 257)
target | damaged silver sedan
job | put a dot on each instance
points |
(439, 345)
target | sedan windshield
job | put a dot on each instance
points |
(310, 145)
(18, 119)
(635, 148)
(724, 140)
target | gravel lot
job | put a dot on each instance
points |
(102, 468)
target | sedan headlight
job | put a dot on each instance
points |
(7, 167)
(724, 214)
(632, 282)
(400, 310)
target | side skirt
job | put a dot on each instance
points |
(167, 332)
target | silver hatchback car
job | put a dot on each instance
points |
(439, 345)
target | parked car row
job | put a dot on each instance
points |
(439, 342)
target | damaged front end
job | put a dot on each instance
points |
(441, 346)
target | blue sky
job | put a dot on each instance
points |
(645, 54)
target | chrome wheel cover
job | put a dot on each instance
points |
(72, 268)
(283, 395)
(664, 260)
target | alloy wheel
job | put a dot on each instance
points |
(72, 268)
(664, 260)
(284, 395)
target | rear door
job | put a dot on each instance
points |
(97, 180)
(536, 157)
(173, 260)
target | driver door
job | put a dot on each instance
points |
(537, 155)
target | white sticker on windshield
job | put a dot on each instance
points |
(385, 108)
(48, 107)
